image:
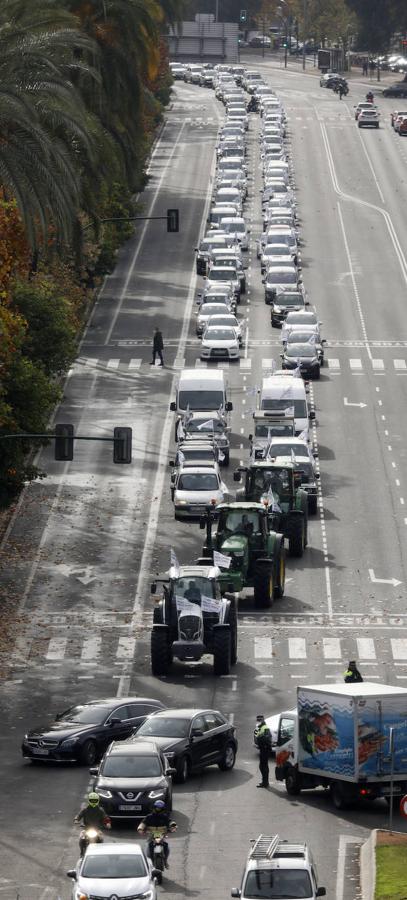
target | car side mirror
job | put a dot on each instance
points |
(323, 341)
(113, 722)
(173, 406)
(94, 770)
(229, 406)
(317, 475)
(202, 523)
(312, 414)
(307, 301)
(250, 437)
(196, 733)
(71, 873)
(156, 873)
(171, 771)
(321, 892)
(235, 892)
(153, 587)
(237, 476)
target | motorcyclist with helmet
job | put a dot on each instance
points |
(370, 96)
(158, 820)
(91, 816)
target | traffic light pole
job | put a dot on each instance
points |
(172, 218)
(64, 438)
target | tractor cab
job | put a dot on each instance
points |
(192, 618)
(278, 487)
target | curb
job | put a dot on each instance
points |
(368, 867)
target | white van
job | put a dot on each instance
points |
(279, 393)
(202, 390)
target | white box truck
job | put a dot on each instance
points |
(338, 737)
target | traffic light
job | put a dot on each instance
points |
(243, 16)
(172, 220)
(122, 445)
(64, 438)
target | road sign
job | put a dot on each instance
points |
(403, 806)
(172, 220)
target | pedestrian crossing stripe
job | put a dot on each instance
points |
(333, 364)
(62, 649)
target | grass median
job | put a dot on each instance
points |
(391, 872)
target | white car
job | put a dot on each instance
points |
(218, 320)
(113, 870)
(274, 254)
(196, 488)
(297, 319)
(208, 311)
(220, 342)
(369, 117)
(235, 226)
(276, 868)
(282, 446)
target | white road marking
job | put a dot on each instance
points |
(297, 648)
(366, 648)
(378, 364)
(56, 649)
(400, 364)
(399, 648)
(91, 648)
(267, 363)
(331, 648)
(262, 648)
(113, 364)
(344, 840)
(333, 363)
(135, 363)
(355, 364)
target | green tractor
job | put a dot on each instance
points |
(278, 486)
(257, 553)
(193, 617)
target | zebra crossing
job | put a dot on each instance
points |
(278, 649)
(332, 364)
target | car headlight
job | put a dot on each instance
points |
(69, 742)
(155, 795)
(180, 502)
(81, 896)
(147, 895)
(103, 792)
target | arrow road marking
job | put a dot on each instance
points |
(393, 581)
(347, 402)
(82, 574)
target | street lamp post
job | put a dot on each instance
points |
(304, 13)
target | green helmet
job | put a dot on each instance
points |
(93, 799)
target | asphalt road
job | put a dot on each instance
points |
(78, 559)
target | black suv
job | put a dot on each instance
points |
(191, 739)
(82, 733)
(131, 777)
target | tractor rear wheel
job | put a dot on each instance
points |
(297, 539)
(263, 583)
(160, 652)
(222, 651)
(279, 573)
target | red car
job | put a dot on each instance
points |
(402, 127)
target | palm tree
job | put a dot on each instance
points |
(45, 129)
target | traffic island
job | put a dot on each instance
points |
(383, 864)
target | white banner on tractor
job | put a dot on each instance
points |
(219, 559)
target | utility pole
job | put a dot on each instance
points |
(304, 13)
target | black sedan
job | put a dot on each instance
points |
(303, 357)
(191, 739)
(131, 777)
(399, 89)
(82, 733)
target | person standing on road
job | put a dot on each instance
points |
(341, 90)
(158, 347)
(262, 737)
(352, 674)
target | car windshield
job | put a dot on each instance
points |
(208, 310)
(267, 431)
(289, 300)
(198, 481)
(301, 337)
(131, 767)
(277, 250)
(282, 278)
(114, 865)
(237, 227)
(220, 334)
(198, 399)
(300, 350)
(223, 274)
(276, 480)
(206, 426)
(276, 239)
(86, 715)
(284, 449)
(229, 264)
(300, 406)
(162, 726)
(225, 320)
(299, 319)
(277, 884)
(199, 453)
(238, 522)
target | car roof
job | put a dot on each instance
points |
(186, 712)
(118, 701)
(119, 748)
(115, 848)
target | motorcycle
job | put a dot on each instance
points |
(370, 97)
(89, 836)
(157, 848)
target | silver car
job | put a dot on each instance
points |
(113, 870)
